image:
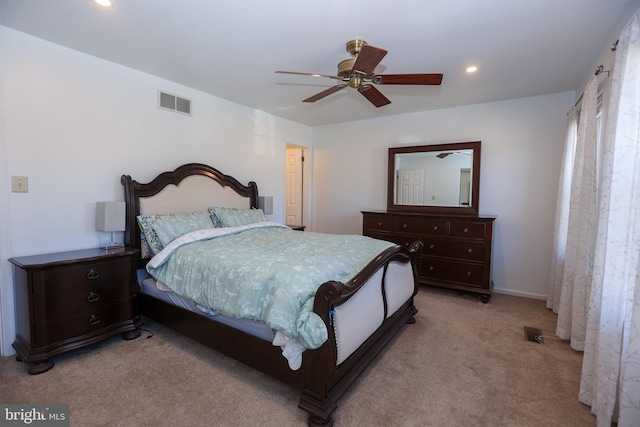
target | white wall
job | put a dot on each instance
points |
(74, 124)
(522, 145)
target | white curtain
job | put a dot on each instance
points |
(561, 225)
(576, 222)
(610, 381)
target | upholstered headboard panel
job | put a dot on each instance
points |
(193, 187)
(194, 194)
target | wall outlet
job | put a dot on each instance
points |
(20, 184)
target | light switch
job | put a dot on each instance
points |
(19, 184)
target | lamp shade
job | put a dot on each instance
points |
(266, 204)
(110, 216)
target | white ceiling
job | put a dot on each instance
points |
(232, 48)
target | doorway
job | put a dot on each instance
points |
(294, 186)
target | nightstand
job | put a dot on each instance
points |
(68, 300)
(296, 227)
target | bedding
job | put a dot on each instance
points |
(263, 271)
(151, 243)
(291, 349)
(230, 217)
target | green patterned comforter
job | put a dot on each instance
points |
(265, 272)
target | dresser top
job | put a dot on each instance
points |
(35, 262)
(430, 215)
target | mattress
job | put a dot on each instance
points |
(149, 287)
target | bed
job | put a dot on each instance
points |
(359, 315)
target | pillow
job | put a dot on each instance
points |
(231, 217)
(153, 243)
(145, 249)
(172, 227)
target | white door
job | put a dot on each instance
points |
(465, 187)
(410, 187)
(293, 186)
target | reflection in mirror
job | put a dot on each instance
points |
(434, 178)
(441, 178)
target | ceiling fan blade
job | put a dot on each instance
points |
(324, 93)
(408, 79)
(310, 74)
(368, 59)
(374, 95)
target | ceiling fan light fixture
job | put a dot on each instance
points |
(345, 67)
(355, 81)
(471, 69)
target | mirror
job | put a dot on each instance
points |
(436, 179)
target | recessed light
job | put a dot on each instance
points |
(472, 69)
(105, 3)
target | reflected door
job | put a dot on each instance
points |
(465, 187)
(410, 187)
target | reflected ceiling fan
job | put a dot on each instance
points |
(358, 72)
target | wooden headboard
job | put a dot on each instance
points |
(193, 187)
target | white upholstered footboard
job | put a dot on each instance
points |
(361, 315)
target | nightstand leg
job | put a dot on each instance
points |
(131, 335)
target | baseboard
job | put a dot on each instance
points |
(519, 293)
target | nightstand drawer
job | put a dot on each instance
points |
(82, 276)
(93, 296)
(86, 322)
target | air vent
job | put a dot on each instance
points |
(175, 103)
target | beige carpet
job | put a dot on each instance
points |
(463, 363)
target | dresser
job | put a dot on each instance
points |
(457, 250)
(67, 300)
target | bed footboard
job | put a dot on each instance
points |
(361, 315)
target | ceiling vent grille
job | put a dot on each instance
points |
(175, 103)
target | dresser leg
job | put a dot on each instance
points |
(36, 368)
(131, 335)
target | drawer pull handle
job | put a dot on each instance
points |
(92, 274)
(93, 297)
(435, 227)
(94, 320)
(468, 273)
(469, 250)
(466, 230)
(404, 225)
(380, 224)
(431, 246)
(430, 267)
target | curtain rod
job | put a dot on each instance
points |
(599, 70)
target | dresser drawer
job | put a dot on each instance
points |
(87, 298)
(463, 250)
(83, 323)
(452, 271)
(372, 222)
(469, 230)
(82, 276)
(430, 226)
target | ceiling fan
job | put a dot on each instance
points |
(358, 72)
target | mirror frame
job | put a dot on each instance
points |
(437, 210)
